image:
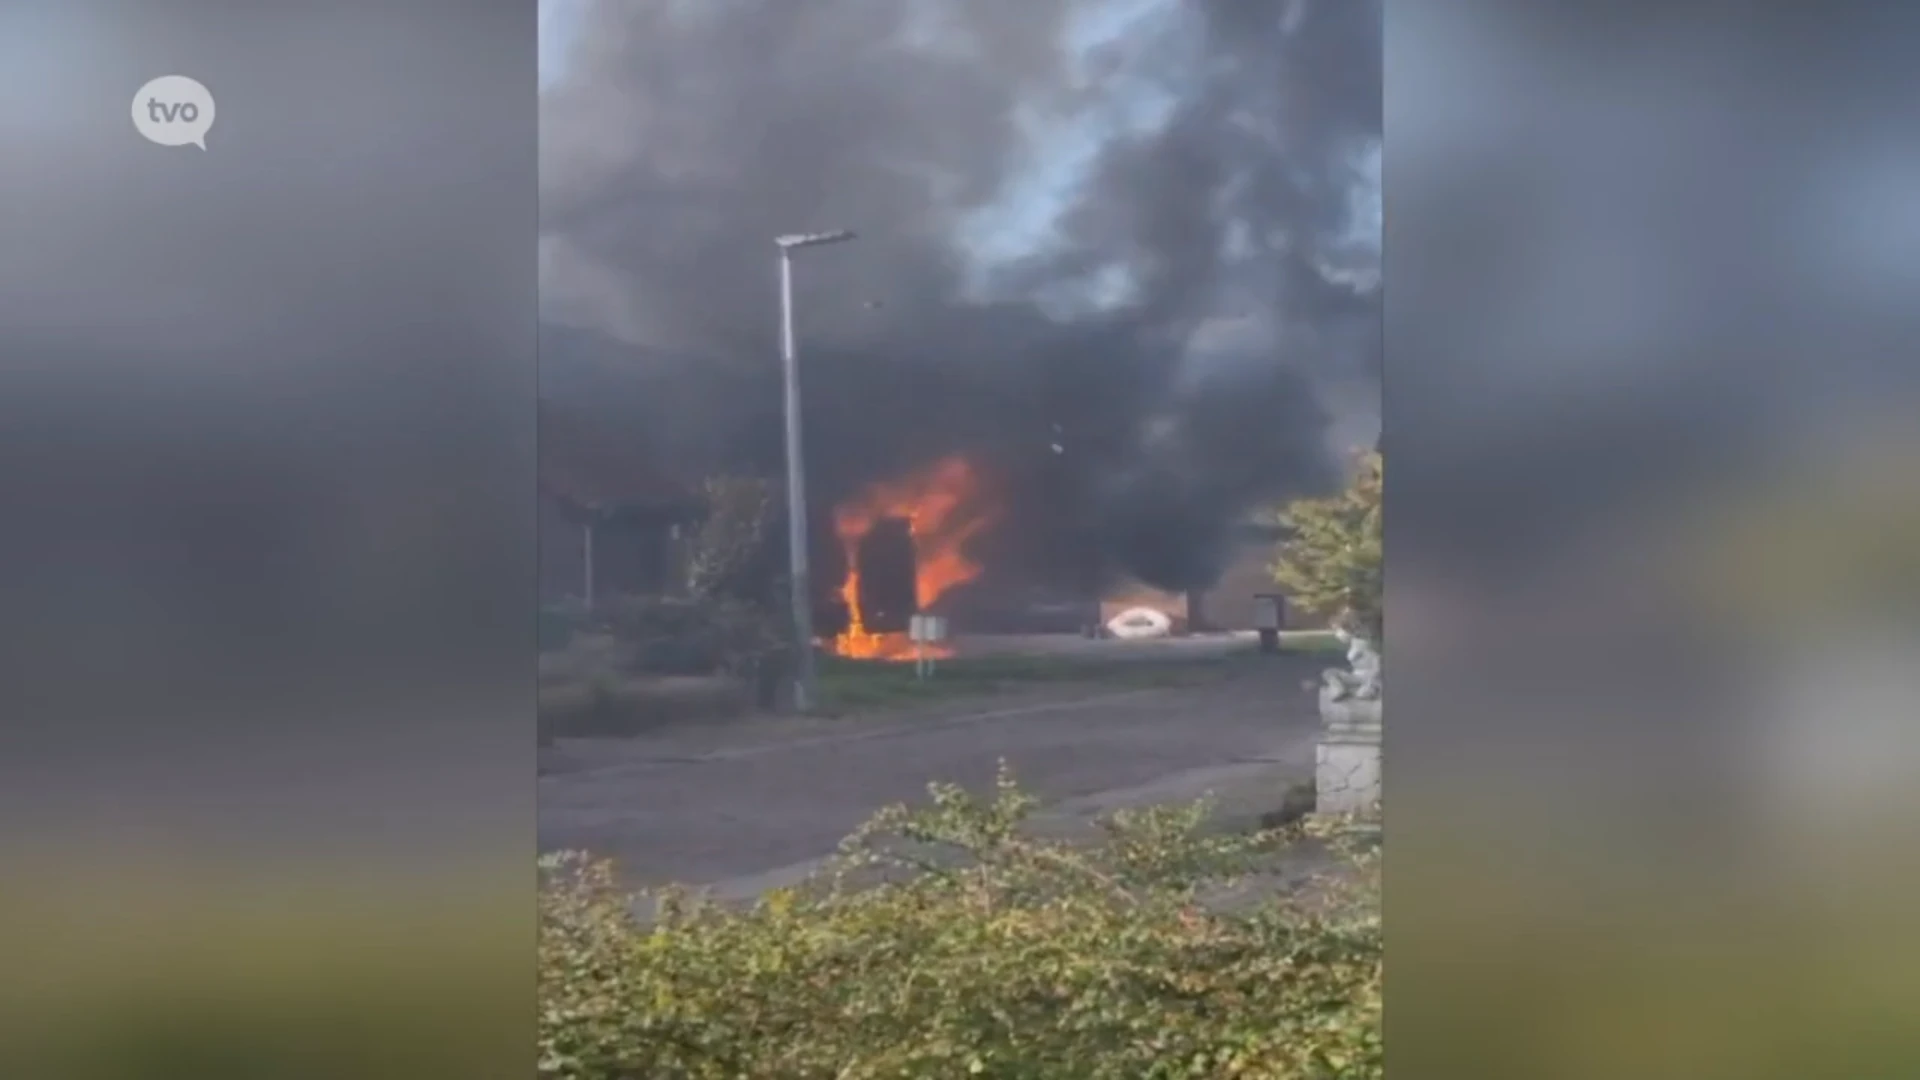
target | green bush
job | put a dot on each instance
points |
(737, 551)
(683, 636)
(949, 942)
(558, 623)
(1333, 560)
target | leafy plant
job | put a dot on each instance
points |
(1331, 562)
(558, 622)
(687, 636)
(734, 556)
(950, 941)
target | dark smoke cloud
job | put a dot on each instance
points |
(1192, 320)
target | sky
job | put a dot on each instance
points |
(559, 25)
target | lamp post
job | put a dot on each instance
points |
(797, 562)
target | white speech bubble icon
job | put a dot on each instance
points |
(174, 110)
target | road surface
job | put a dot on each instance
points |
(741, 807)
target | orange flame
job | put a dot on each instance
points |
(941, 505)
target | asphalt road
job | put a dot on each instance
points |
(742, 806)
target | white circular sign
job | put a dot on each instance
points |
(1142, 622)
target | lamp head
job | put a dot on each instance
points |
(792, 241)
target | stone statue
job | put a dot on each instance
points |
(1346, 776)
(1361, 680)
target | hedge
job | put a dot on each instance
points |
(949, 941)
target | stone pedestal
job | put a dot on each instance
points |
(1347, 764)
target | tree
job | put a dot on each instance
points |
(734, 555)
(1331, 560)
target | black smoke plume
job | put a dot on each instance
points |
(1196, 335)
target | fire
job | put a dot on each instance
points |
(941, 505)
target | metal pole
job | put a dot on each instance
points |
(797, 569)
(586, 555)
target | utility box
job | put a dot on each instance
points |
(888, 568)
(1269, 615)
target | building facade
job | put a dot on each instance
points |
(611, 524)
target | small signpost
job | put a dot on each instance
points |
(925, 630)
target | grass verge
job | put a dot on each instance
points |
(865, 685)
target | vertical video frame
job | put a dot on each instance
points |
(960, 487)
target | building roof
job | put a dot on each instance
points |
(591, 469)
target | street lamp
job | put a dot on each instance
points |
(797, 569)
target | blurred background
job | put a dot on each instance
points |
(266, 413)
(1651, 536)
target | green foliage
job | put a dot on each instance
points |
(690, 636)
(735, 554)
(847, 684)
(557, 624)
(1331, 563)
(951, 942)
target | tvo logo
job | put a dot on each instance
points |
(174, 110)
